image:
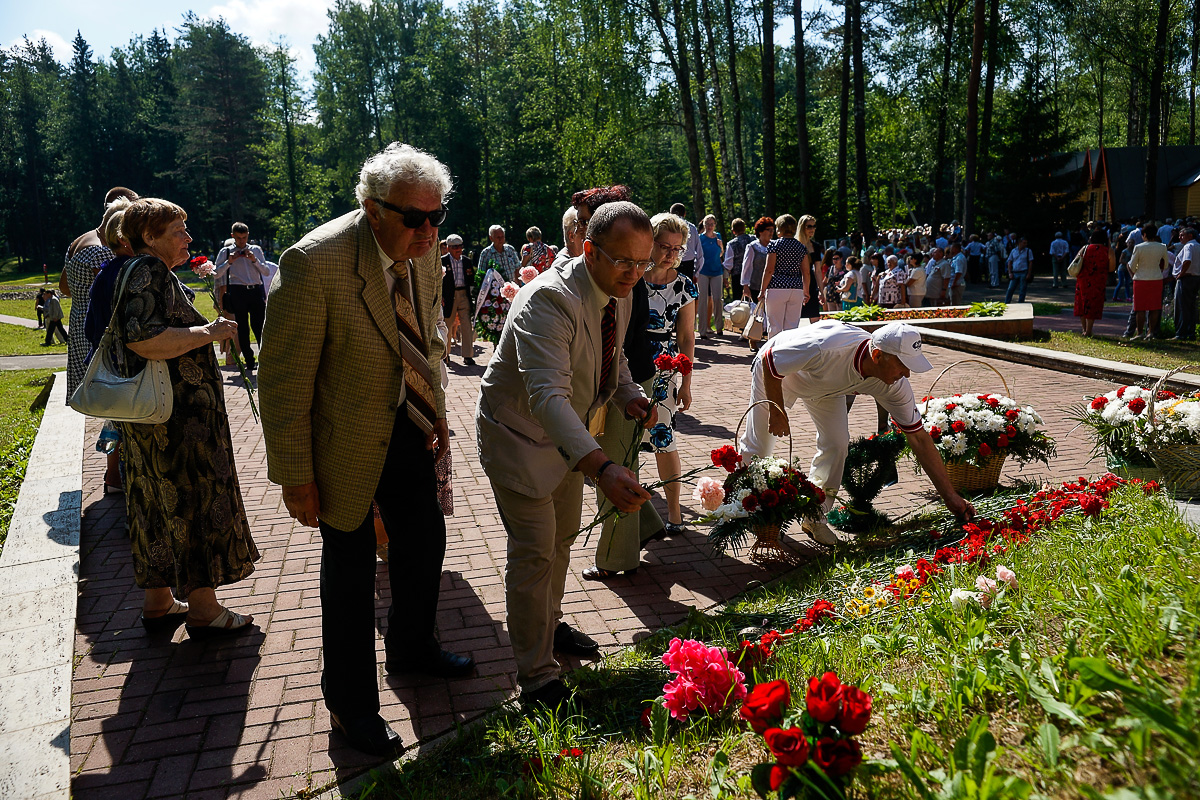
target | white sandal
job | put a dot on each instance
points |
(171, 619)
(227, 623)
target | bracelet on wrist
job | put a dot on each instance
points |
(603, 467)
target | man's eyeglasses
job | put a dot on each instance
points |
(415, 217)
(624, 264)
(672, 250)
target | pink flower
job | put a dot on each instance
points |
(705, 678)
(709, 493)
(987, 590)
(202, 267)
(905, 572)
(1006, 575)
(528, 273)
(509, 291)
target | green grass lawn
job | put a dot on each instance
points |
(1048, 309)
(18, 341)
(1079, 682)
(1157, 353)
(11, 273)
(18, 427)
(25, 309)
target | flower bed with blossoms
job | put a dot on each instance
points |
(1046, 649)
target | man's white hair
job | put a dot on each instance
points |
(401, 163)
(492, 231)
(570, 218)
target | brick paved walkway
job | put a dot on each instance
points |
(180, 718)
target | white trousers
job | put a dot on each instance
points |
(783, 309)
(830, 417)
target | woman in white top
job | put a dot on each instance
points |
(892, 283)
(849, 285)
(1146, 265)
(915, 285)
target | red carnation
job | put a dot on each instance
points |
(664, 363)
(992, 402)
(683, 364)
(1001, 441)
(726, 457)
(763, 708)
(749, 502)
(1010, 431)
(820, 493)
(985, 450)
(1121, 392)
(935, 432)
(1166, 394)
(1091, 505)
(837, 756)
(1012, 414)
(769, 498)
(950, 407)
(824, 697)
(1137, 405)
(1099, 403)
(958, 426)
(790, 747)
(856, 711)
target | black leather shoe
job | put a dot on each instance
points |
(574, 643)
(439, 664)
(470, 362)
(552, 697)
(368, 734)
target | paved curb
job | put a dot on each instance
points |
(1086, 366)
(39, 571)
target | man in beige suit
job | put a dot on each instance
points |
(556, 366)
(352, 413)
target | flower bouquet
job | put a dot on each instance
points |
(813, 749)
(704, 679)
(761, 497)
(975, 433)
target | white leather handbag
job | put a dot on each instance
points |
(756, 324)
(146, 398)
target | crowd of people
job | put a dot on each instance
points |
(361, 320)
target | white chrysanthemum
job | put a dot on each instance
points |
(960, 598)
(960, 445)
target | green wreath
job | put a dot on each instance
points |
(870, 466)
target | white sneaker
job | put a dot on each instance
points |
(819, 531)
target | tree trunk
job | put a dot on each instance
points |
(939, 157)
(677, 57)
(989, 91)
(806, 201)
(710, 161)
(1156, 85)
(973, 120)
(768, 103)
(843, 125)
(737, 109)
(1195, 53)
(865, 213)
(1100, 104)
(1131, 127)
(719, 106)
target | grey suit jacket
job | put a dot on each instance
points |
(330, 368)
(543, 383)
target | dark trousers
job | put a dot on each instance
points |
(55, 326)
(1186, 290)
(416, 529)
(248, 304)
(975, 268)
(1017, 280)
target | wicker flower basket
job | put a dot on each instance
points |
(1179, 464)
(970, 478)
(767, 547)
(1131, 471)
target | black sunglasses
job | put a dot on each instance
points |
(415, 217)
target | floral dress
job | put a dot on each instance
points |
(182, 499)
(81, 270)
(540, 256)
(665, 303)
(491, 307)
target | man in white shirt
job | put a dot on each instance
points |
(937, 274)
(1187, 285)
(821, 365)
(1166, 232)
(691, 248)
(958, 274)
(1058, 259)
(239, 278)
(1020, 260)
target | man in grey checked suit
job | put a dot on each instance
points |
(556, 366)
(345, 421)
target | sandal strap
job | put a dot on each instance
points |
(228, 620)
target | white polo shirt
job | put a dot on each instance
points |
(825, 360)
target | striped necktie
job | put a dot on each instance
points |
(608, 340)
(418, 382)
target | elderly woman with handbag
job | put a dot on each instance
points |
(186, 519)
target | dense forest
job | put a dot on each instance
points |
(881, 113)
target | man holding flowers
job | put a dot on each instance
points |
(821, 365)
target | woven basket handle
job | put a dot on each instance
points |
(1160, 384)
(1007, 391)
(738, 435)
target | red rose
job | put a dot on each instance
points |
(664, 363)
(749, 502)
(770, 498)
(683, 364)
(763, 707)
(1137, 405)
(1001, 441)
(837, 756)
(790, 747)
(778, 776)
(935, 433)
(824, 697)
(1099, 403)
(1012, 414)
(985, 450)
(958, 426)
(856, 711)
(1010, 431)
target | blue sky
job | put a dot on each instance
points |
(109, 25)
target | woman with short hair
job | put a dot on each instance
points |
(710, 276)
(754, 262)
(536, 253)
(187, 523)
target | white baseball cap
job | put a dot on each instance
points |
(904, 342)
